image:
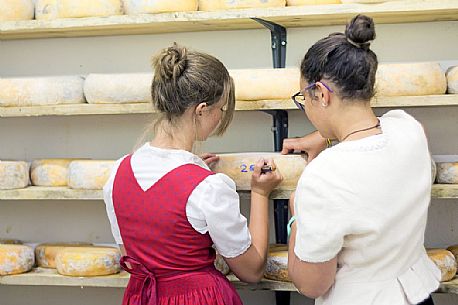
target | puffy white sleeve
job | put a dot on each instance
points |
(108, 198)
(219, 203)
(323, 216)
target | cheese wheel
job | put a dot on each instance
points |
(216, 5)
(410, 79)
(50, 172)
(445, 261)
(89, 174)
(265, 84)
(14, 175)
(13, 10)
(41, 91)
(310, 2)
(159, 6)
(88, 261)
(221, 265)
(368, 1)
(45, 254)
(118, 88)
(15, 259)
(239, 166)
(454, 250)
(277, 263)
(452, 80)
(447, 172)
(56, 9)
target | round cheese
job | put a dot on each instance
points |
(14, 175)
(118, 88)
(56, 9)
(367, 1)
(221, 265)
(15, 259)
(447, 172)
(310, 2)
(159, 6)
(13, 10)
(41, 91)
(216, 5)
(265, 84)
(88, 261)
(45, 254)
(410, 79)
(50, 172)
(454, 250)
(240, 166)
(445, 261)
(452, 80)
(277, 263)
(89, 174)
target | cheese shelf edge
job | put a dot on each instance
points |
(145, 108)
(294, 16)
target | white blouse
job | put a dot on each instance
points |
(213, 206)
(366, 202)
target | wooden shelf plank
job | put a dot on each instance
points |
(141, 108)
(299, 16)
(49, 277)
(440, 191)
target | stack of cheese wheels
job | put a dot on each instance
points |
(45, 254)
(452, 80)
(16, 10)
(132, 7)
(447, 169)
(221, 265)
(216, 5)
(265, 84)
(410, 79)
(118, 88)
(56, 9)
(41, 91)
(14, 175)
(445, 261)
(88, 261)
(277, 263)
(89, 174)
(240, 166)
(15, 259)
(50, 172)
(311, 2)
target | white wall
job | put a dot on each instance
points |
(109, 137)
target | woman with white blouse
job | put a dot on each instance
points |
(360, 208)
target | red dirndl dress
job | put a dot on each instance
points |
(170, 263)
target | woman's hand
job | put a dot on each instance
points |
(209, 158)
(312, 144)
(264, 183)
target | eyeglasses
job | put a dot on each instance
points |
(299, 96)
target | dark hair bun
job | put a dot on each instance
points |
(360, 31)
(171, 63)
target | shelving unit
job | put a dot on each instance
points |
(50, 277)
(139, 108)
(299, 16)
(440, 191)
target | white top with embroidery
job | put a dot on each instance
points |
(213, 206)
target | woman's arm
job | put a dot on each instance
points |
(313, 144)
(311, 279)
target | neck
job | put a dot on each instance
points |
(169, 137)
(354, 118)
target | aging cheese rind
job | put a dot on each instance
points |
(88, 261)
(216, 5)
(132, 7)
(445, 261)
(45, 254)
(14, 10)
(14, 175)
(56, 9)
(89, 174)
(277, 263)
(50, 172)
(15, 259)
(452, 80)
(240, 166)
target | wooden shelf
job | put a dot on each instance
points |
(440, 191)
(299, 16)
(139, 108)
(49, 277)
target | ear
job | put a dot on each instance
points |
(201, 108)
(323, 94)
